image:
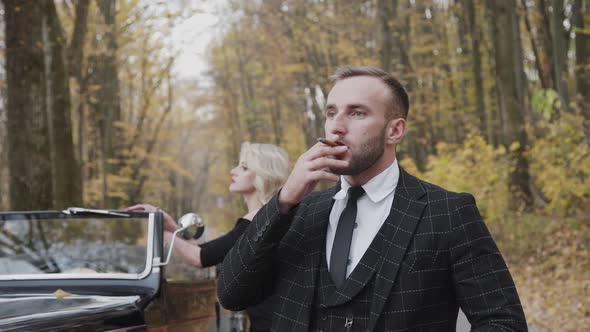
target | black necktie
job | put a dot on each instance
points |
(343, 237)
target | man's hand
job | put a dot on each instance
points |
(311, 167)
(169, 223)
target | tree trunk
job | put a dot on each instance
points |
(251, 111)
(535, 47)
(413, 140)
(510, 82)
(470, 14)
(43, 170)
(76, 48)
(134, 192)
(545, 45)
(26, 119)
(494, 112)
(106, 105)
(276, 120)
(67, 183)
(579, 12)
(560, 46)
(231, 103)
(464, 56)
(75, 58)
(386, 11)
(4, 176)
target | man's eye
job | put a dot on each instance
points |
(358, 113)
(330, 114)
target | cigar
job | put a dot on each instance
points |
(328, 142)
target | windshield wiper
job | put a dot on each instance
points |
(75, 210)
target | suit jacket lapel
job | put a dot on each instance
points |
(408, 203)
(315, 231)
(315, 237)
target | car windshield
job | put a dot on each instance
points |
(31, 244)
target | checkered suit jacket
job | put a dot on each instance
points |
(437, 256)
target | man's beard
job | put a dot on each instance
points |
(366, 156)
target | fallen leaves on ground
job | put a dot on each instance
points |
(553, 280)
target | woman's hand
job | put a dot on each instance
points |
(169, 223)
(167, 238)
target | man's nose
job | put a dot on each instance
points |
(336, 127)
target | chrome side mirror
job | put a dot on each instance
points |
(190, 223)
(195, 224)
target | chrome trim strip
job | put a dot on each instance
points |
(150, 247)
(130, 328)
(126, 276)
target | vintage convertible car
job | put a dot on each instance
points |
(98, 270)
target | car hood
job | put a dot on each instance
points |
(47, 312)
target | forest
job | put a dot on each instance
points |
(95, 113)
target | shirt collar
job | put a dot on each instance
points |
(378, 187)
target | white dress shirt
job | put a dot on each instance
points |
(372, 210)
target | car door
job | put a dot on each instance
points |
(78, 270)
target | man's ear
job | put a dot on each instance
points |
(396, 130)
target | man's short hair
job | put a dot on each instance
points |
(400, 100)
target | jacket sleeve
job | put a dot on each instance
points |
(482, 283)
(213, 252)
(248, 271)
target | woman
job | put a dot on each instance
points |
(261, 171)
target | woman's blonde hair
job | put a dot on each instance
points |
(270, 164)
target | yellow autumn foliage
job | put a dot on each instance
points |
(475, 167)
(560, 164)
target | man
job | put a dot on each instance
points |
(380, 251)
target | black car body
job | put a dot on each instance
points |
(96, 271)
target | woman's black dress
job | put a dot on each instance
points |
(213, 252)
